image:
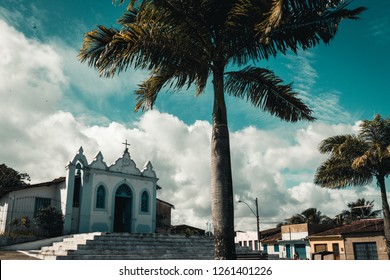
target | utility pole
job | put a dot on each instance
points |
(258, 225)
(257, 220)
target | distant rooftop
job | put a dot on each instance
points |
(362, 226)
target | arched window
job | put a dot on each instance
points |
(145, 202)
(123, 191)
(101, 197)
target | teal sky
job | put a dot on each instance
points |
(52, 104)
(353, 69)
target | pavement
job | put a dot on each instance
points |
(15, 255)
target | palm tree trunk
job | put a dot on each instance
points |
(221, 176)
(386, 212)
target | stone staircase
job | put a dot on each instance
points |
(68, 244)
(126, 246)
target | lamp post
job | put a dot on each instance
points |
(257, 219)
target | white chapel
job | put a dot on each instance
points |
(94, 197)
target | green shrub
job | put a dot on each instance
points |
(50, 221)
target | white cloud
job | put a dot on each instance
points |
(305, 75)
(86, 80)
(379, 30)
(30, 72)
(278, 168)
(323, 102)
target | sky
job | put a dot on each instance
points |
(51, 104)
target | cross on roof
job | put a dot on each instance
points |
(126, 144)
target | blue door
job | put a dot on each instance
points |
(288, 251)
(300, 249)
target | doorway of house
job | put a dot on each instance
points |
(288, 251)
(300, 249)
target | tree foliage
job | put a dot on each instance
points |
(50, 221)
(310, 216)
(11, 180)
(357, 160)
(183, 42)
(357, 210)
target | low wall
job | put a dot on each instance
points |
(26, 243)
(5, 241)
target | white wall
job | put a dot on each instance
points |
(25, 202)
(245, 238)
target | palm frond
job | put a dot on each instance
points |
(264, 90)
(239, 41)
(332, 144)
(95, 43)
(274, 16)
(346, 146)
(171, 78)
(376, 131)
(111, 51)
(149, 89)
(337, 173)
(304, 24)
(128, 17)
(296, 219)
(352, 147)
(361, 161)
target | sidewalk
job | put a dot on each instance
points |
(15, 255)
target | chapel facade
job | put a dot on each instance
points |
(94, 197)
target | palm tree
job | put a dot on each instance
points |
(183, 43)
(310, 216)
(359, 209)
(362, 209)
(356, 160)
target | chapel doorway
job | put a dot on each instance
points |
(122, 211)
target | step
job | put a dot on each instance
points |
(129, 252)
(118, 246)
(138, 257)
(130, 243)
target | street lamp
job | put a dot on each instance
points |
(257, 218)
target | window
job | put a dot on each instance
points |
(145, 202)
(265, 248)
(40, 203)
(365, 251)
(320, 247)
(276, 248)
(123, 191)
(77, 186)
(101, 197)
(336, 250)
